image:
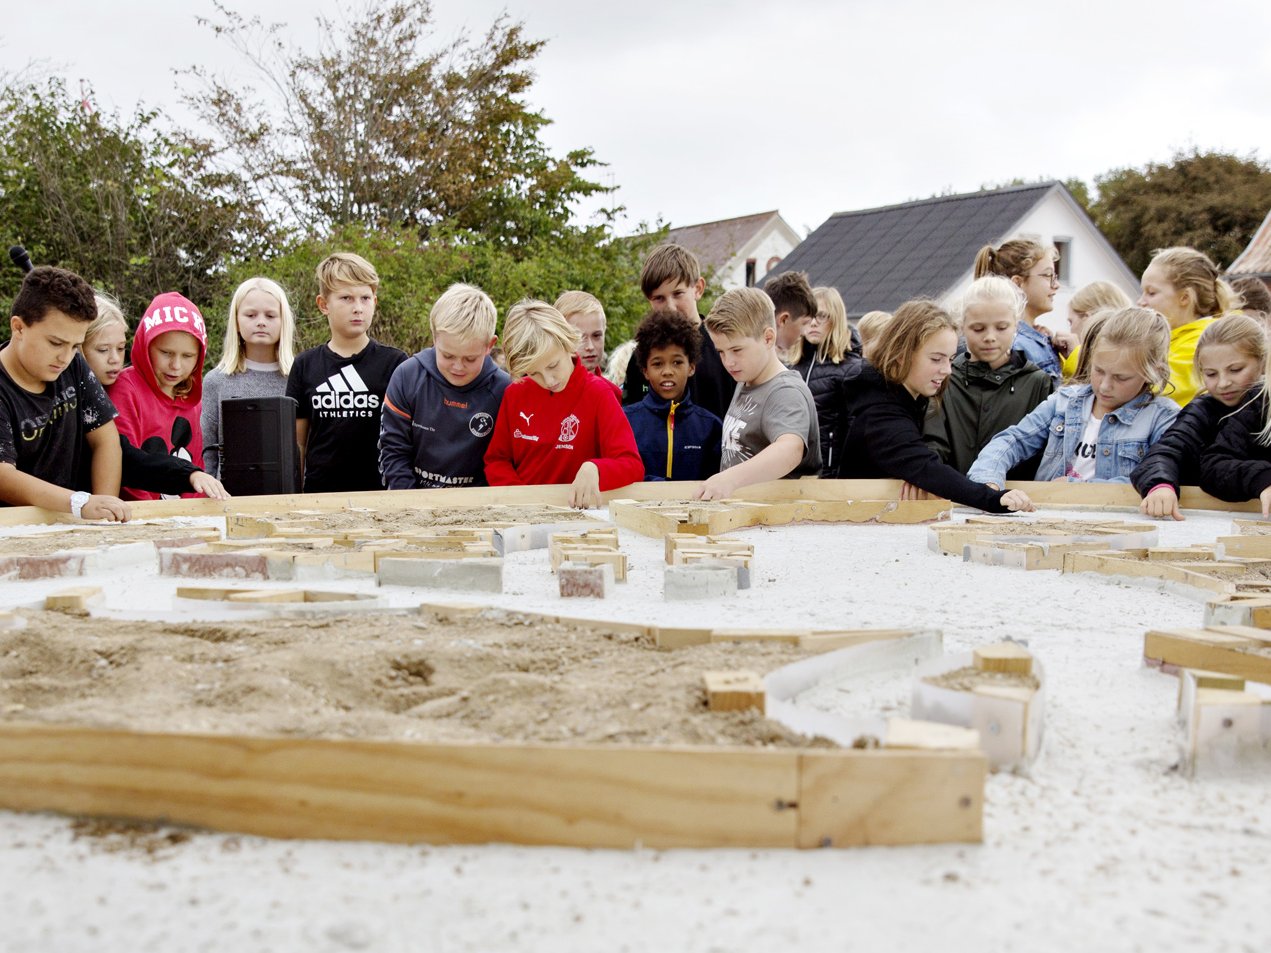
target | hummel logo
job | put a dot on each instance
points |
(526, 417)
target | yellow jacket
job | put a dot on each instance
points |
(1182, 351)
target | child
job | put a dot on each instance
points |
(616, 372)
(1230, 356)
(1237, 465)
(441, 404)
(1183, 285)
(260, 347)
(677, 439)
(1093, 298)
(1033, 269)
(339, 386)
(587, 314)
(57, 433)
(159, 398)
(557, 423)
(794, 305)
(771, 430)
(672, 281)
(104, 347)
(871, 326)
(1101, 430)
(825, 363)
(887, 403)
(991, 387)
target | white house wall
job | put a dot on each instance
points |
(774, 241)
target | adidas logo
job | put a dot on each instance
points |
(344, 390)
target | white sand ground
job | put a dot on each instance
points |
(1104, 847)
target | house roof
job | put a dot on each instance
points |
(715, 243)
(1256, 258)
(880, 257)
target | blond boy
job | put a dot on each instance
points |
(339, 386)
(672, 282)
(770, 430)
(441, 404)
(557, 423)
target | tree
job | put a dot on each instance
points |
(134, 209)
(374, 128)
(1210, 201)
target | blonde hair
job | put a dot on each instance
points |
(838, 335)
(1011, 259)
(234, 353)
(742, 312)
(870, 326)
(1246, 334)
(1142, 332)
(1191, 271)
(911, 325)
(345, 268)
(1097, 296)
(464, 311)
(992, 290)
(618, 361)
(108, 313)
(571, 303)
(532, 328)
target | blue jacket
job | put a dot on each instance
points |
(695, 430)
(1125, 435)
(1038, 349)
(432, 433)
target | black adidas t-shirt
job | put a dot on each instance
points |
(341, 397)
(43, 434)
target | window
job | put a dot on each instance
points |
(750, 272)
(1063, 245)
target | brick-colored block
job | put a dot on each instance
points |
(585, 580)
(182, 562)
(698, 581)
(467, 575)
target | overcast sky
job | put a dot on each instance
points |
(715, 109)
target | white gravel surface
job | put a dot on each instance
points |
(1104, 846)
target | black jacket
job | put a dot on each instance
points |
(980, 403)
(1175, 458)
(711, 387)
(1236, 467)
(884, 439)
(828, 383)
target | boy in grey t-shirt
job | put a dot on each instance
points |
(771, 429)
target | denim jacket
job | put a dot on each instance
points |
(1038, 349)
(1125, 435)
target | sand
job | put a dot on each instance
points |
(1103, 846)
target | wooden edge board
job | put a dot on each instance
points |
(578, 796)
(1208, 651)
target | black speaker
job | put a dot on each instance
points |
(258, 445)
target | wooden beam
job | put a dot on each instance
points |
(585, 796)
(1212, 650)
(73, 599)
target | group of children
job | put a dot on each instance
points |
(771, 383)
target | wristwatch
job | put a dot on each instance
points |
(78, 499)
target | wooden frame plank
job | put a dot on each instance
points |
(584, 796)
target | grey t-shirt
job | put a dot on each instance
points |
(759, 415)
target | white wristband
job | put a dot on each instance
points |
(78, 499)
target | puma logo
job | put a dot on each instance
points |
(526, 417)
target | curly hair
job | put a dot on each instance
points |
(660, 329)
(46, 289)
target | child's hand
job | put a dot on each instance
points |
(1265, 499)
(719, 487)
(910, 492)
(1064, 342)
(1017, 501)
(102, 507)
(584, 492)
(1161, 502)
(208, 485)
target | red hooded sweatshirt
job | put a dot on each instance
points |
(541, 437)
(148, 417)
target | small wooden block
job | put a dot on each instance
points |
(266, 596)
(1205, 679)
(669, 637)
(210, 593)
(74, 598)
(733, 691)
(1004, 657)
(929, 735)
(784, 636)
(592, 556)
(450, 611)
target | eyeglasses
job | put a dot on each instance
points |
(819, 319)
(1048, 276)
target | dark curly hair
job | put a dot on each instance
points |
(47, 288)
(667, 329)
